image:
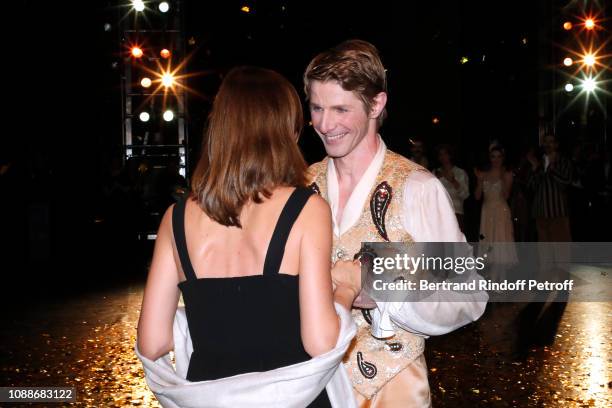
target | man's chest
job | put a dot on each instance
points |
(344, 194)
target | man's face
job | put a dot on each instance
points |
(550, 144)
(339, 118)
(443, 157)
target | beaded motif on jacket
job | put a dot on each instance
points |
(394, 171)
(371, 362)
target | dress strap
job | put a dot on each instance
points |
(276, 247)
(178, 228)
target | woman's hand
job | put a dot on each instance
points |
(347, 274)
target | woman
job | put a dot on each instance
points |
(454, 179)
(253, 267)
(495, 186)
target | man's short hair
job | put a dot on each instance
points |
(356, 66)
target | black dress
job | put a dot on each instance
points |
(249, 323)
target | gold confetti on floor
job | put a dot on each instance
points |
(88, 343)
(575, 370)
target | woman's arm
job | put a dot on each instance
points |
(160, 296)
(319, 322)
(346, 277)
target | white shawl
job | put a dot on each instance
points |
(293, 386)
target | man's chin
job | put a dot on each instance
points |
(335, 153)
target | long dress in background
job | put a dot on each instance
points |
(496, 227)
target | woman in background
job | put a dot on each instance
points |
(494, 187)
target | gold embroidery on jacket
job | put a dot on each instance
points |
(371, 362)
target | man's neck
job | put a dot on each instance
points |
(351, 168)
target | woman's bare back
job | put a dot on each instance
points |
(217, 251)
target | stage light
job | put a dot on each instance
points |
(245, 9)
(589, 84)
(138, 5)
(168, 115)
(167, 80)
(568, 62)
(144, 116)
(567, 25)
(464, 60)
(589, 23)
(145, 82)
(137, 52)
(569, 87)
(589, 60)
(435, 120)
(164, 6)
(165, 53)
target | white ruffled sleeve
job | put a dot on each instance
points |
(428, 216)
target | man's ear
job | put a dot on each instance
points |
(378, 104)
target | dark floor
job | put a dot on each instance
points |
(88, 342)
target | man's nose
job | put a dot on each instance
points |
(326, 124)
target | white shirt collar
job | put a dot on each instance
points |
(354, 205)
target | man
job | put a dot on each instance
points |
(549, 181)
(377, 195)
(550, 177)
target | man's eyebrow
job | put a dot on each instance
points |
(340, 106)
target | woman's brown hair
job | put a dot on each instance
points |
(250, 146)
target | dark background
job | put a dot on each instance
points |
(63, 133)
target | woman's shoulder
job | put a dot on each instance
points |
(281, 194)
(165, 226)
(316, 215)
(316, 207)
